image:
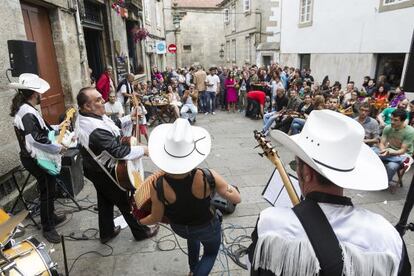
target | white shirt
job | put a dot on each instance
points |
(123, 90)
(114, 108)
(214, 80)
(370, 244)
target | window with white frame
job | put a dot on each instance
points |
(391, 2)
(147, 11)
(305, 11)
(226, 16)
(246, 5)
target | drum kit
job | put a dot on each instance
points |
(28, 257)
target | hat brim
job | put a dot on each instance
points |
(41, 88)
(174, 165)
(369, 173)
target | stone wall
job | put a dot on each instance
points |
(12, 27)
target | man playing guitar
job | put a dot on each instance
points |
(32, 134)
(101, 144)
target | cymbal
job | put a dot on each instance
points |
(7, 227)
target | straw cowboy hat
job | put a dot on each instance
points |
(332, 144)
(179, 147)
(31, 82)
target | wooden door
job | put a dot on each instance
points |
(38, 29)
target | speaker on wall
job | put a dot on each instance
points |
(22, 56)
(409, 70)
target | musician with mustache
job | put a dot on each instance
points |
(101, 148)
(32, 134)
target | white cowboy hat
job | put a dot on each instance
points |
(31, 82)
(332, 144)
(179, 147)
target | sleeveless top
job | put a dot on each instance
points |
(187, 209)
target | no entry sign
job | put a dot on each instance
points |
(172, 48)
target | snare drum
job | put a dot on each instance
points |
(31, 258)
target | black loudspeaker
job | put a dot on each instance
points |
(71, 173)
(23, 58)
(409, 71)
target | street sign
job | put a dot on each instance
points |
(160, 47)
(172, 48)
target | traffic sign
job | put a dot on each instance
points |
(172, 48)
(160, 47)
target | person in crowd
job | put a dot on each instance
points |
(253, 78)
(32, 135)
(223, 90)
(142, 119)
(181, 84)
(298, 123)
(332, 103)
(346, 95)
(113, 108)
(384, 118)
(244, 86)
(396, 144)
(101, 148)
(370, 125)
(382, 81)
(307, 77)
(411, 114)
(231, 92)
(396, 96)
(381, 94)
(189, 109)
(298, 119)
(200, 84)
(295, 108)
(189, 76)
(365, 82)
(284, 77)
(213, 88)
(280, 103)
(370, 89)
(156, 74)
(181, 184)
(124, 92)
(174, 101)
(326, 84)
(351, 106)
(350, 239)
(255, 104)
(105, 84)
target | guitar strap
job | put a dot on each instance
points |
(321, 236)
(103, 168)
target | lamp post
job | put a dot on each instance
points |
(221, 50)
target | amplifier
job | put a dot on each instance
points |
(71, 174)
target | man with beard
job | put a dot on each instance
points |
(32, 134)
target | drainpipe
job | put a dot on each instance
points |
(81, 43)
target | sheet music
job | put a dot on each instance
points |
(275, 192)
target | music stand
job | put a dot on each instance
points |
(402, 225)
(62, 185)
(11, 175)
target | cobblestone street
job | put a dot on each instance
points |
(233, 155)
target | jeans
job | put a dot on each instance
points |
(189, 116)
(392, 163)
(297, 125)
(203, 101)
(242, 99)
(268, 120)
(47, 187)
(223, 99)
(209, 236)
(210, 101)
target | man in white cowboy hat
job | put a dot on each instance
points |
(181, 193)
(325, 234)
(101, 148)
(32, 134)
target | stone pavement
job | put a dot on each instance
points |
(233, 156)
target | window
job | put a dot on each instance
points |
(305, 13)
(228, 50)
(187, 48)
(390, 5)
(304, 61)
(246, 5)
(226, 16)
(147, 8)
(248, 49)
(391, 66)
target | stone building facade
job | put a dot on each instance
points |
(199, 37)
(252, 31)
(73, 37)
